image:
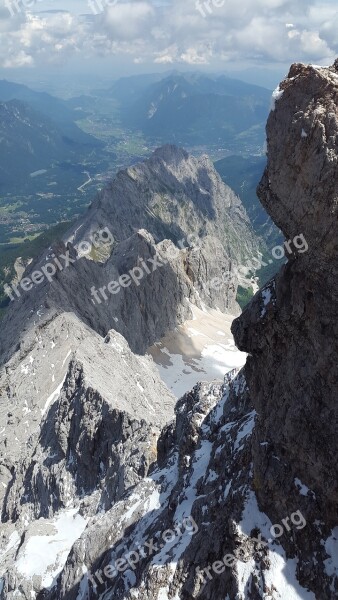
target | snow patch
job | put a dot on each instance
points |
(303, 489)
(68, 355)
(331, 548)
(46, 555)
(276, 95)
(319, 67)
(52, 397)
(282, 571)
(245, 430)
(13, 543)
(244, 571)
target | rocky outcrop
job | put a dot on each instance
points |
(176, 196)
(134, 312)
(75, 434)
(87, 422)
(290, 328)
(185, 507)
(172, 195)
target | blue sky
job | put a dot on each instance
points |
(122, 37)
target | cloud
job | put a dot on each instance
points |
(164, 32)
(18, 59)
(34, 40)
(128, 21)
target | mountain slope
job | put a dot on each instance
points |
(30, 142)
(80, 413)
(243, 174)
(128, 90)
(171, 195)
(250, 465)
(53, 108)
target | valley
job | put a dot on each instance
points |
(91, 138)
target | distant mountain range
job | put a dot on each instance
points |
(58, 110)
(129, 89)
(35, 130)
(194, 109)
(30, 142)
(189, 109)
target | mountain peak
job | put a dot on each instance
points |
(170, 153)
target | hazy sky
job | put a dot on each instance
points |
(129, 37)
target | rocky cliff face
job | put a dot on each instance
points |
(172, 195)
(290, 328)
(77, 430)
(179, 197)
(249, 465)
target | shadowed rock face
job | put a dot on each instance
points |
(290, 328)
